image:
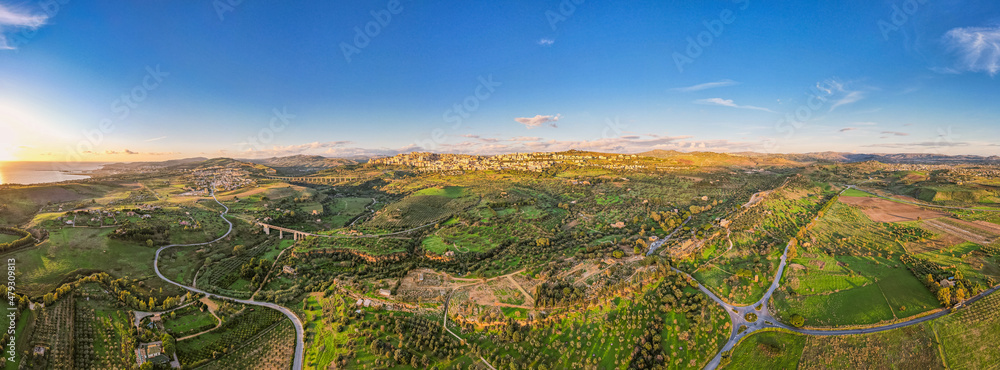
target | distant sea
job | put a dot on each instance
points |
(43, 172)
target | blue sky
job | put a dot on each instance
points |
(166, 79)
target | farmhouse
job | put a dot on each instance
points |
(151, 352)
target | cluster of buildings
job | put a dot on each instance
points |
(432, 162)
(223, 178)
(958, 174)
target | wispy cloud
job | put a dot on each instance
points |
(846, 129)
(840, 93)
(155, 139)
(730, 103)
(895, 133)
(924, 144)
(546, 42)
(978, 48)
(706, 86)
(481, 145)
(483, 139)
(11, 18)
(126, 152)
(538, 121)
(296, 149)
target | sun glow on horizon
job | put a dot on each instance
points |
(7, 150)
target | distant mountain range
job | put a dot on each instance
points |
(835, 157)
(303, 164)
(302, 161)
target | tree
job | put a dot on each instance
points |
(944, 296)
(959, 295)
(798, 321)
(149, 242)
(169, 345)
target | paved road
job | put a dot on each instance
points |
(300, 337)
(658, 243)
(897, 325)
(766, 320)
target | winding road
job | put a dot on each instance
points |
(299, 336)
(737, 314)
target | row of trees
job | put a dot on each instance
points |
(25, 240)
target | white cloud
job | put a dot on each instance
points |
(978, 48)
(155, 139)
(849, 98)
(16, 19)
(706, 86)
(546, 42)
(730, 103)
(538, 121)
(840, 94)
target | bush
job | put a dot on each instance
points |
(798, 321)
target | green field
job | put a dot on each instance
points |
(4, 238)
(74, 251)
(857, 193)
(312, 208)
(768, 350)
(969, 336)
(448, 191)
(912, 347)
(436, 245)
(857, 291)
(188, 320)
